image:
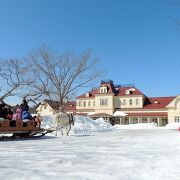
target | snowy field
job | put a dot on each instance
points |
(102, 154)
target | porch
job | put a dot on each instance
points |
(160, 118)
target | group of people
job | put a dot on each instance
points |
(21, 113)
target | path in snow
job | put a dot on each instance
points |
(123, 154)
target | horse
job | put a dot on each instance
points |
(63, 121)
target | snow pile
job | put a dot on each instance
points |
(84, 125)
(136, 126)
(47, 122)
(173, 125)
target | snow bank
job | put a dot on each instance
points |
(173, 125)
(47, 122)
(84, 125)
(136, 126)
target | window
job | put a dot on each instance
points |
(127, 91)
(45, 106)
(156, 102)
(79, 103)
(117, 102)
(84, 103)
(130, 101)
(89, 103)
(144, 120)
(126, 120)
(177, 119)
(103, 89)
(124, 101)
(106, 119)
(137, 101)
(103, 102)
(164, 121)
(155, 120)
(87, 95)
(94, 103)
(135, 120)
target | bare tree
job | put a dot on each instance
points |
(59, 76)
(13, 77)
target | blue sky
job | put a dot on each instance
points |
(136, 41)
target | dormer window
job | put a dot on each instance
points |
(87, 95)
(103, 89)
(156, 102)
(127, 91)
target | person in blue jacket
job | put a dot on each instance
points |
(26, 115)
(24, 105)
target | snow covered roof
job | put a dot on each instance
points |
(119, 113)
(100, 115)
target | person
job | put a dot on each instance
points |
(17, 115)
(2, 112)
(26, 115)
(37, 120)
(24, 105)
(9, 113)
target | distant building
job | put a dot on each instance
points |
(48, 107)
(120, 104)
(125, 104)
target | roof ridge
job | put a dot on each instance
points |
(163, 97)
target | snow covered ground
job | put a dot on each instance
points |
(94, 150)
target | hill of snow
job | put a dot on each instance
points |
(82, 125)
(85, 125)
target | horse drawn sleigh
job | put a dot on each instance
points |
(32, 128)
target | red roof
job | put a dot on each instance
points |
(134, 91)
(121, 91)
(52, 104)
(70, 106)
(164, 114)
(157, 102)
(150, 103)
(91, 94)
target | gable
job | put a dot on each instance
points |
(175, 104)
(157, 102)
(44, 106)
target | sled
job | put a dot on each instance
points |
(22, 129)
(32, 128)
